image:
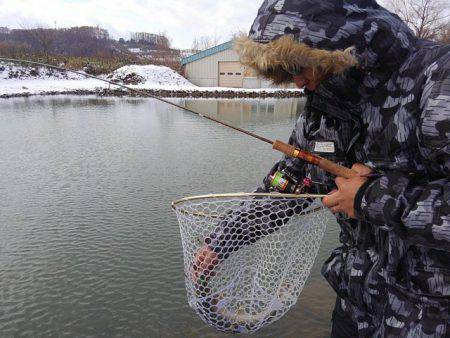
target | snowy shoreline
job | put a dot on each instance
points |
(17, 81)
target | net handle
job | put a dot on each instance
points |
(243, 194)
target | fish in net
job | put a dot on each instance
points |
(248, 256)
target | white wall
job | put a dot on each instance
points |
(251, 82)
(256, 82)
(205, 72)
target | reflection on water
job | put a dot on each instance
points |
(89, 245)
(244, 111)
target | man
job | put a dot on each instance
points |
(378, 100)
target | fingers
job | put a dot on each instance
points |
(340, 181)
(332, 203)
(361, 169)
(342, 201)
(335, 209)
(332, 199)
(204, 262)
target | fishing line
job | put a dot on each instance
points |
(141, 92)
(287, 149)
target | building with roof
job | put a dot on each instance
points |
(219, 66)
(4, 30)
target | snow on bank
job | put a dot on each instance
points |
(47, 86)
(24, 81)
(150, 75)
(17, 80)
(10, 71)
(34, 80)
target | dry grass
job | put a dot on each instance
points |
(92, 65)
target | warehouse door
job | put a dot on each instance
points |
(231, 74)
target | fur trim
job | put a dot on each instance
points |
(271, 60)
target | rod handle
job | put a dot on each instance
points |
(323, 163)
(337, 169)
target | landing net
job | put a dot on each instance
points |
(247, 256)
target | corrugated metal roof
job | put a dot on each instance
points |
(207, 52)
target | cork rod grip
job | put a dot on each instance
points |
(323, 163)
(336, 169)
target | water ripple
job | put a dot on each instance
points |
(89, 245)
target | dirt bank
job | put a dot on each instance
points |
(181, 93)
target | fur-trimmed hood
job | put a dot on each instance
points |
(328, 36)
(271, 60)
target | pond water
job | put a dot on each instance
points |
(89, 245)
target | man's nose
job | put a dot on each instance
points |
(299, 81)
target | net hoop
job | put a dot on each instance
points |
(247, 289)
(176, 204)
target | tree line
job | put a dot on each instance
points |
(86, 47)
(75, 41)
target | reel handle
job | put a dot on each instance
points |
(323, 163)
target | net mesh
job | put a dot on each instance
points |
(247, 257)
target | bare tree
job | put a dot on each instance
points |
(445, 34)
(164, 41)
(427, 18)
(14, 50)
(239, 32)
(43, 38)
(205, 42)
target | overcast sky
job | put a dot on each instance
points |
(182, 20)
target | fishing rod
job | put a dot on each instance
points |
(285, 148)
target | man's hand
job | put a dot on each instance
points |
(343, 199)
(204, 262)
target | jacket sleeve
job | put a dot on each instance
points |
(418, 210)
(239, 228)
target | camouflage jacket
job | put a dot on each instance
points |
(391, 113)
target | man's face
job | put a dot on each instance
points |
(307, 78)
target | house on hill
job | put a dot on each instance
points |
(4, 30)
(219, 66)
